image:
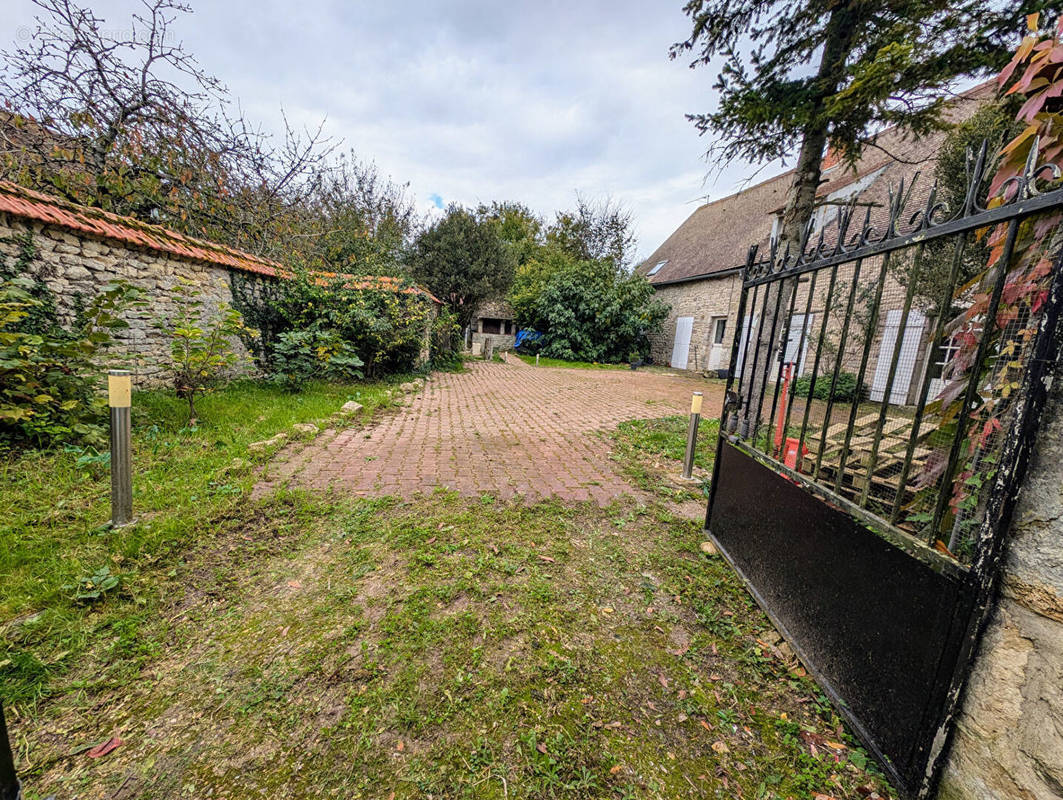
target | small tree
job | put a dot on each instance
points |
(202, 343)
(795, 74)
(591, 311)
(463, 261)
(594, 231)
(994, 124)
(120, 116)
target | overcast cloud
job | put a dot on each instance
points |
(474, 101)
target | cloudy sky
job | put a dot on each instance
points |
(474, 101)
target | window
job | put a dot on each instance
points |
(719, 330)
(491, 325)
(656, 268)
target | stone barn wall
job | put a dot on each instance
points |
(74, 264)
(702, 300)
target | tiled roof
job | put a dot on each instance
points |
(32, 205)
(716, 237)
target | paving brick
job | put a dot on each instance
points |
(503, 429)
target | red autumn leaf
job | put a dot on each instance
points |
(101, 750)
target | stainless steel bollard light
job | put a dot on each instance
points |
(692, 435)
(119, 398)
(10, 788)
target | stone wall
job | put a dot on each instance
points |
(1008, 741)
(701, 300)
(74, 264)
(712, 298)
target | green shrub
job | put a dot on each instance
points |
(845, 390)
(202, 354)
(50, 375)
(300, 356)
(384, 328)
(593, 311)
(446, 342)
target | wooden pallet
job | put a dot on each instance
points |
(880, 485)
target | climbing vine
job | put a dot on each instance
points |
(1020, 274)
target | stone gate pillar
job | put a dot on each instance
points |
(1008, 740)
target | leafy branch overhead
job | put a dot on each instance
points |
(795, 74)
(784, 67)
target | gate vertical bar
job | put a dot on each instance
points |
(869, 335)
(939, 331)
(10, 788)
(972, 386)
(736, 343)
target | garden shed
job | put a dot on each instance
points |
(493, 319)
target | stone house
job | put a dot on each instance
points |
(81, 249)
(698, 269)
(493, 319)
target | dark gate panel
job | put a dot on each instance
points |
(868, 619)
(879, 415)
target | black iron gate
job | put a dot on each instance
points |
(887, 378)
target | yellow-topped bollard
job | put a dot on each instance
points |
(119, 398)
(692, 435)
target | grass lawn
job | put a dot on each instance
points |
(305, 645)
(557, 362)
(53, 539)
(650, 452)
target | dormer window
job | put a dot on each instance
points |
(656, 268)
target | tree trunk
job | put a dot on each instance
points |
(800, 205)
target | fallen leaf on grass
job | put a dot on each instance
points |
(400, 746)
(720, 747)
(295, 584)
(547, 559)
(431, 541)
(704, 724)
(615, 769)
(101, 750)
(541, 748)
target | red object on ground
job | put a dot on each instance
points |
(790, 453)
(788, 369)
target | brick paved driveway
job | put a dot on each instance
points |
(505, 429)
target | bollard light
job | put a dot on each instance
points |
(10, 788)
(692, 435)
(119, 398)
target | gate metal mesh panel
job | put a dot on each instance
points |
(871, 367)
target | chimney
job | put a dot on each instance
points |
(831, 160)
